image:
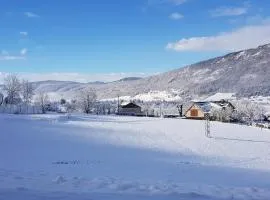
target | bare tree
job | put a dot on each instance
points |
(63, 101)
(12, 86)
(247, 111)
(148, 108)
(87, 99)
(71, 107)
(27, 91)
(223, 115)
(252, 111)
(42, 100)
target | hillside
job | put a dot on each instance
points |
(246, 73)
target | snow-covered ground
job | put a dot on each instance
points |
(112, 157)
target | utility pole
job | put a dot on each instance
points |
(207, 125)
(180, 110)
(262, 114)
(118, 104)
(160, 110)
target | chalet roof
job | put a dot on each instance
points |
(131, 105)
(267, 114)
(124, 103)
(208, 106)
(218, 97)
(205, 106)
(221, 97)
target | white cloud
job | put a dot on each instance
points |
(245, 37)
(4, 53)
(229, 11)
(24, 33)
(23, 51)
(174, 2)
(78, 77)
(31, 15)
(6, 56)
(177, 2)
(162, 3)
(176, 16)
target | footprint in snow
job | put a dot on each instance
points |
(18, 177)
(60, 180)
(21, 188)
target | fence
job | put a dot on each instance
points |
(20, 109)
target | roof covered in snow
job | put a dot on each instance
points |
(221, 96)
(131, 105)
(208, 106)
(205, 106)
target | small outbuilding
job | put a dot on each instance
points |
(131, 109)
(267, 116)
(199, 109)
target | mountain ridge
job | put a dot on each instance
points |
(245, 73)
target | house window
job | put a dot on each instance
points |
(194, 113)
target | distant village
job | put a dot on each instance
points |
(19, 97)
(222, 107)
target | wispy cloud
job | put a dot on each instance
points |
(23, 51)
(248, 36)
(176, 16)
(23, 33)
(173, 2)
(161, 3)
(229, 11)
(177, 2)
(6, 56)
(12, 57)
(4, 53)
(31, 15)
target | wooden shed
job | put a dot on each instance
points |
(197, 110)
(131, 109)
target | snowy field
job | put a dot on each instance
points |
(110, 157)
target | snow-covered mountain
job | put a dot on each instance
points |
(246, 73)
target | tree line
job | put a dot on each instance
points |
(22, 92)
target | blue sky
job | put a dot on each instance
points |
(93, 39)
